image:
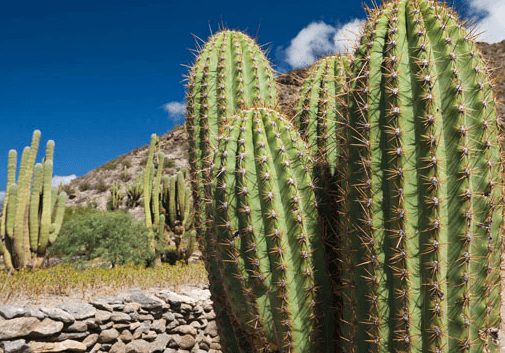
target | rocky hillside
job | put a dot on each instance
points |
(92, 188)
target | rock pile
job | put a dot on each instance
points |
(129, 322)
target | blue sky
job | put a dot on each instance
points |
(99, 77)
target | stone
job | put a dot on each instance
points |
(58, 314)
(142, 329)
(186, 330)
(102, 316)
(174, 298)
(126, 336)
(186, 307)
(108, 336)
(28, 326)
(120, 317)
(11, 312)
(145, 317)
(79, 311)
(17, 346)
(78, 326)
(69, 336)
(90, 340)
(65, 346)
(106, 326)
(137, 346)
(131, 307)
(211, 329)
(150, 336)
(169, 316)
(182, 342)
(121, 327)
(108, 303)
(118, 347)
(159, 325)
(169, 350)
(197, 294)
(146, 302)
(172, 325)
(91, 322)
(96, 348)
(160, 343)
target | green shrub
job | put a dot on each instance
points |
(113, 237)
(168, 163)
(126, 163)
(102, 187)
(85, 186)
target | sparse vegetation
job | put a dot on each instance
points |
(101, 187)
(168, 163)
(85, 186)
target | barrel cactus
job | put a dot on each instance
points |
(266, 235)
(422, 209)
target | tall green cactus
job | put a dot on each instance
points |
(176, 202)
(33, 212)
(422, 212)
(230, 73)
(266, 235)
(134, 191)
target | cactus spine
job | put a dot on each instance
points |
(30, 223)
(266, 235)
(423, 202)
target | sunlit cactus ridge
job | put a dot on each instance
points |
(421, 248)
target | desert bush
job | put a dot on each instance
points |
(85, 186)
(113, 237)
(168, 163)
(101, 187)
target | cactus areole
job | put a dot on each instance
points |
(424, 201)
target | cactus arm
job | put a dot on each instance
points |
(9, 226)
(181, 195)
(172, 202)
(11, 179)
(156, 190)
(47, 208)
(148, 182)
(59, 213)
(34, 205)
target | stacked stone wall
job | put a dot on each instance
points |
(166, 322)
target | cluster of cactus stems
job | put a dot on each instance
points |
(33, 211)
(167, 203)
(402, 252)
(134, 191)
(178, 211)
(116, 196)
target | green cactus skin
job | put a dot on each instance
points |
(230, 73)
(28, 223)
(178, 210)
(266, 235)
(5, 242)
(38, 174)
(321, 110)
(148, 182)
(423, 205)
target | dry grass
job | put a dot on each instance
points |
(64, 280)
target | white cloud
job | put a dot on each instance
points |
(175, 110)
(62, 179)
(2, 196)
(492, 23)
(320, 38)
